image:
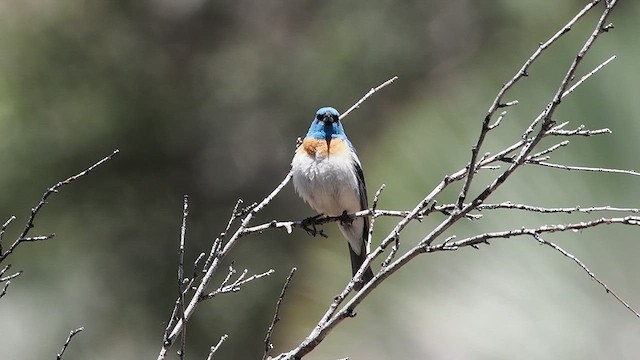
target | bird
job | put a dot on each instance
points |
(327, 175)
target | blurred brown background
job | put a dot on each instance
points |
(206, 98)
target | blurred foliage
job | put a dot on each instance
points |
(207, 99)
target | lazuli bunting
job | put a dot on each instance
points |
(327, 174)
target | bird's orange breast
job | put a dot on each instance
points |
(324, 148)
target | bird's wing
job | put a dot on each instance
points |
(362, 187)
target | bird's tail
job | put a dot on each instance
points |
(356, 233)
(356, 262)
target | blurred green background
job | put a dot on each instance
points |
(206, 98)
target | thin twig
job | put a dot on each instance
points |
(234, 215)
(497, 102)
(183, 235)
(172, 319)
(372, 219)
(230, 273)
(215, 347)
(66, 343)
(588, 75)
(367, 95)
(267, 340)
(4, 289)
(482, 238)
(34, 212)
(10, 277)
(586, 168)
(37, 238)
(578, 131)
(529, 143)
(196, 275)
(5, 269)
(498, 120)
(4, 227)
(599, 29)
(218, 252)
(235, 286)
(586, 269)
(7, 279)
(549, 149)
(541, 209)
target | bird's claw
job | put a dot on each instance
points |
(309, 225)
(345, 218)
(350, 313)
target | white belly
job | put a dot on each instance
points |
(328, 184)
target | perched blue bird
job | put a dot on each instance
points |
(327, 174)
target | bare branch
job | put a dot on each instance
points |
(234, 215)
(7, 279)
(372, 220)
(235, 286)
(183, 235)
(498, 121)
(589, 272)
(579, 131)
(218, 252)
(529, 144)
(523, 149)
(584, 78)
(586, 168)
(482, 238)
(34, 212)
(37, 238)
(4, 289)
(549, 150)
(568, 210)
(497, 102)
(66, 343)
(231, 272)
(5, 269)
(215, 347)
(599, 29)
(12, 276)
(367, 95)
(4, 227)
(267, 340)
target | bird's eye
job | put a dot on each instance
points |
(319, 117)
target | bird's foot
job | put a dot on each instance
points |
(345, 218)
(309, 225)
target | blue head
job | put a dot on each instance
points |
(326, 125)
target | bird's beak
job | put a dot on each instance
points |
(327, 120)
